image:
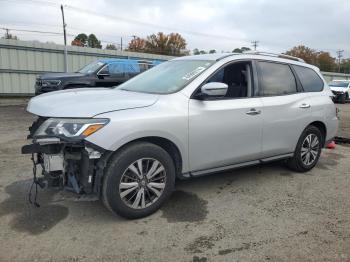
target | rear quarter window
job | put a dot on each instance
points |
(309, 79)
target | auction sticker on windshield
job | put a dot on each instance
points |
(193, 73)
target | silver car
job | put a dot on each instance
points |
(187, 117)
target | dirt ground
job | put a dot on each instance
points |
(264, 213)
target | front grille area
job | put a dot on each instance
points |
(39, 83)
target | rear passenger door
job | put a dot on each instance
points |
(286, 109)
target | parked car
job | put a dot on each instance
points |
(100, 73)
(184, 118)
(341, 90)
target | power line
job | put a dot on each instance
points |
(142, 23)
(31, 2)
(32, 31)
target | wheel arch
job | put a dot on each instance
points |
(322, 127)
(166, 144)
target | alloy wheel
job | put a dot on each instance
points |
(310, 149)
(142, 183)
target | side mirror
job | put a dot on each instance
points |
(214, 89)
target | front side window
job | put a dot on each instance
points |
(276, 79)
(168, 77)
(91, 68)
(309, 79)
(237, 76)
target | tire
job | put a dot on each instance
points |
(342, 98)
(123, 173)
(299, 161)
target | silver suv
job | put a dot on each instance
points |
(187, 117)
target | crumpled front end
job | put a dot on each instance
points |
(70, 163)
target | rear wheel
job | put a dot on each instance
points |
(308, 150)
(138, 180)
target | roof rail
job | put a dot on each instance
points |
(275, 55)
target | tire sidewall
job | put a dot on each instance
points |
(297, 154)
(118, 165)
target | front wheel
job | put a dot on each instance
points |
(138, 180)
(343, 98)
(308, 150)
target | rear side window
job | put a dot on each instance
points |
(309, 79)
(276, 79)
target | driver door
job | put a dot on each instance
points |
(226, 130)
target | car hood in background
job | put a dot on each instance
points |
(339, 89)
(87, 102)
(54, 76)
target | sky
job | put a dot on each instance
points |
(222, 25)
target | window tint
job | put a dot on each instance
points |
(310, 81)
(116, 69)
(276, 79)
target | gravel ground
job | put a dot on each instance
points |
(252, 214)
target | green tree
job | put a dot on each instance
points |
(111, 47)
(80, 40)
(93, 42)
(196, 51)
(241, 50)
(213, 51)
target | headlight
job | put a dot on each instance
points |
(51, 83)
(70, 128)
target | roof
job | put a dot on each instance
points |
(111, 60)
(213, 57)
(250, 55)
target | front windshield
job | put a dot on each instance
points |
(339, 83)
(168, 77)
(91, 68)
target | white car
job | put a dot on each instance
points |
(340, 89)
(184, 118)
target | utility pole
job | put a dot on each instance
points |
(7, 35)
(121, 43)
(65, 42)
(255, 44)
(339, 55)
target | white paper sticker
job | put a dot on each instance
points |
(193, 73)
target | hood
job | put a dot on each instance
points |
(87, 102)
(338, 89)
(54, 76)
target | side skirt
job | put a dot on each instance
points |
(235, 166)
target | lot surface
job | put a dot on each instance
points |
(264, 213)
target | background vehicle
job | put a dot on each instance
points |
(100, 73)
(340, 89)
(187, 117)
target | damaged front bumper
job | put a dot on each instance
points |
(76, 166)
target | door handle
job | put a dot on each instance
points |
(253, 112)
(304, 105)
